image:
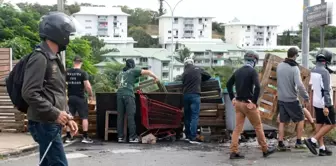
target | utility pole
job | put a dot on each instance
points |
(60, 8)
(322, 32)
(305, 35)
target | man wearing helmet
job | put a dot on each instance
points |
(192, 78)
(288, 83)
(245, 103)
(44, 89)
(126, 99)
(322, 102)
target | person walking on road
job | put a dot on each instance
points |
(192, 78)
(78, 83)
(126, 99)
(322, 102)
(44, 89)
(288, 84)
(245, 103)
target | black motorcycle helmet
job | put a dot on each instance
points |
(251, 56)
(56, 27)
(324, 55)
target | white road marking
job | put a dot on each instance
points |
(125, 151)
(75, 155)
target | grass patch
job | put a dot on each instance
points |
(332, 134)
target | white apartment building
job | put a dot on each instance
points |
(245, 34)
(107, 23)
(183, 28)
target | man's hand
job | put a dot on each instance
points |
(306, 103)
(251, 105)
(73, 127)
(63, 118)
(234, 101)
(90, 99)
(326, 111)
(156, 80)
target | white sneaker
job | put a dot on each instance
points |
(87, 140)
(195, 142)
(134, 140)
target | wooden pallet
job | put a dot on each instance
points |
(11, 119)
(268, 96)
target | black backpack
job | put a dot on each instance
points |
(14, 82)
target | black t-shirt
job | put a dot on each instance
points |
(75, 79)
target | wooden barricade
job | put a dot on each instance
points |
(268, 96)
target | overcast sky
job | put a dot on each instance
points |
(285, 13)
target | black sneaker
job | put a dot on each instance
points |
(236, 156)
(325, 152)
(283, 148)
(134, 140)
(87, 140)
(68, 139)
(269, 151)
(311, 146)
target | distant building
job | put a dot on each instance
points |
(155, 59)
(249, 34)
(107, 23)
(184, 27)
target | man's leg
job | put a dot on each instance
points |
(83, 111)
(284, 118)
(296, 113)
(195, 110)
(120, 119)
(240, 119)
(130, 110)
(328, 124)
(46, 133)
(254, 117)
(72, 110)
(187, 116)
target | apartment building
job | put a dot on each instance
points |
(213, 54)
(107, 23)
(184, 27)
(246, 34)
(154, 59)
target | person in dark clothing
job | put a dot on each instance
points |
(78, 83)
(44, 89)
(192, 78)
(245, 103)
(126, 99)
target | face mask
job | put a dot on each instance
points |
(61, 48)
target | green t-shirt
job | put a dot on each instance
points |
(126, 81)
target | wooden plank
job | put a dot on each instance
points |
(266, 106)
(9, 110)
(273, 82)
(271, 90)
(267, 97)
(273, 74)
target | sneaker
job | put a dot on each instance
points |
(269, 151)
(325, 152)
(87, 140)
(67, 140)
(311, 146)
(121, 140)
(134, 140)
(283, 148)
(236, 156)
(187, 139)
(300, 146)
(195, 141)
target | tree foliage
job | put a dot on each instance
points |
(144, 40)
(97, 46)
(182, 54)
(223, 72)
(106, 81)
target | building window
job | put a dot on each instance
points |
(88, 20)
(243, 26)
(124, 59)
(169, 37)
(206, 19)
(115, 17)
(200, 20)
(88, 27)
(175, 20)
(143, 60)
(177, 69)
(114, 24)
(169, 31)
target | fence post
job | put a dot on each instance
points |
(10, 59)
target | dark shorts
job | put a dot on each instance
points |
(80, 105)
(321, 119)
(290, 111)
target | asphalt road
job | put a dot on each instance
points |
(177, 154)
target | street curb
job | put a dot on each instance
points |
(26, 149)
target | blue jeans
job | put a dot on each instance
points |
(43, 134)
(192, 104)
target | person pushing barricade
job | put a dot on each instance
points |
(245, 103)
(126, 99)
(322, 102)
(42, 93)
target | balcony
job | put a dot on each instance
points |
(102, 33)
(102, 19)
(165, 68)
(115, 20)
(188, 28)
(188, 35)
(188, 21)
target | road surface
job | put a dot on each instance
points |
(168, 154)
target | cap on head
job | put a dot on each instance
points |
(251, 56)
(188, 60)
(292, 52)
(324, 55)
(78, 59)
